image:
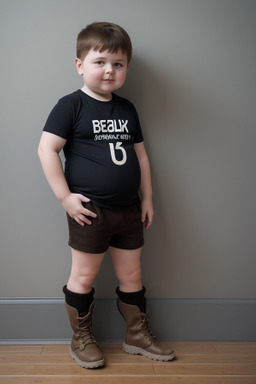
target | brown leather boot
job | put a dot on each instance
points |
(84, 349)
(139, 339)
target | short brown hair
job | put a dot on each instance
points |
(103, 36)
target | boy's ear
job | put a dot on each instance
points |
(79, 66)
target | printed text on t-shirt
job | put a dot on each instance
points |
(110, 126)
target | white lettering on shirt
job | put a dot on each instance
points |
(115, 147)
(110, 126)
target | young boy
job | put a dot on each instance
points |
(105, 190)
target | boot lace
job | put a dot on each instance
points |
(85, 331)
(144, 326)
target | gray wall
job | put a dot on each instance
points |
(193, 81)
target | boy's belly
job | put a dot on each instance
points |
(112, 181)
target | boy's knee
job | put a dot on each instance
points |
(85, 282)
(131, 276)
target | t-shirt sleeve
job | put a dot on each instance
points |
(138, 138)
(61, 118)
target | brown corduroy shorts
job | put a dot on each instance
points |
(119, 229)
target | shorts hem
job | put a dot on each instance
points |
(95, 252)
(128, 248)
(87, 250)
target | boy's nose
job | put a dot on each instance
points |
(109, 68)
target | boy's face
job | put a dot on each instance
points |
(103, 73)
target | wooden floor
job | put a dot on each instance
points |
(196, 363)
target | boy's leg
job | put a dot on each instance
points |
(132, 305)
(127, 268)
(84, 270)
(79, 292)
(128, 271)
(79, 304)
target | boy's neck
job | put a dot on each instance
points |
(100, 97)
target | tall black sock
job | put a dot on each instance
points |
(134, 298)
(80, 301)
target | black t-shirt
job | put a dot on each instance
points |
(101, 162)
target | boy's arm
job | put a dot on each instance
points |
(146, 185)
(48, 151)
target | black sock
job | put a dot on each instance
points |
(80, 301)
(134, 298)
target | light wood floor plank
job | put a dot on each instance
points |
(74, 369)
(196, 363)
(114, 348)
(194, 347)
(15, 358)
(182, 359)
(34, 359)
(55, 349)
(235, 358)
(206, 369)
(21, 348)
(179, 347)
(126, 380)
(236, 348)
(66, 359)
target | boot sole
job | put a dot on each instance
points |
(86, 364)
(132, 350)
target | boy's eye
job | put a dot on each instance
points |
(118, 65)
(100, 62)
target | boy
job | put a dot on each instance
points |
(106, 170)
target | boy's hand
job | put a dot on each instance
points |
(147, 213)
(74, 207)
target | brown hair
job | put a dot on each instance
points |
(103, 36)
